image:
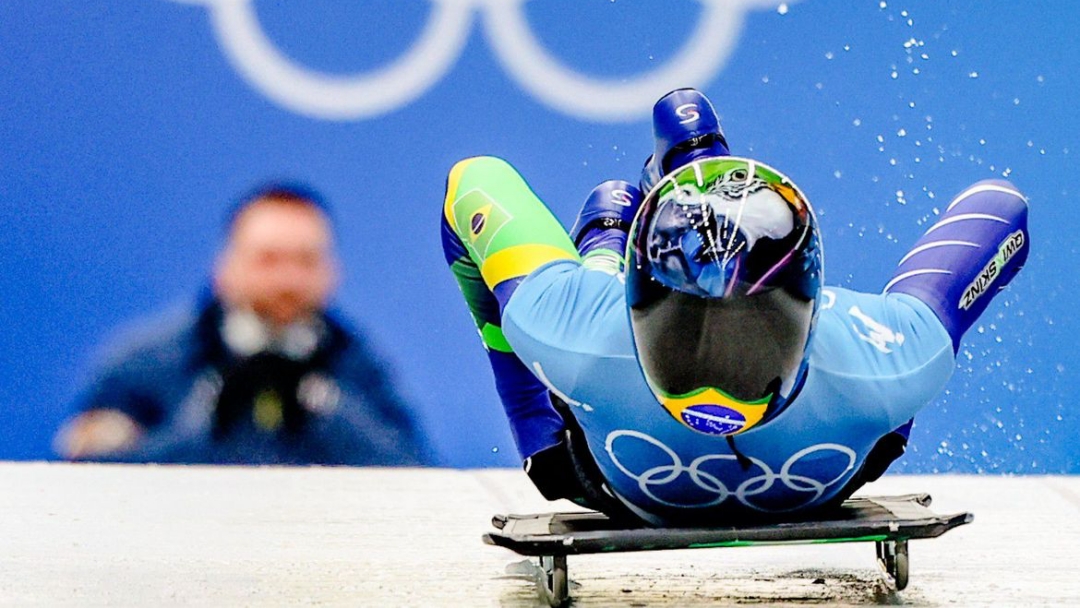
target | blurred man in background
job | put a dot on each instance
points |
(260, 372)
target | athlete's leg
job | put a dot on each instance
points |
(967, 256)
(956, 268)
(495, 231)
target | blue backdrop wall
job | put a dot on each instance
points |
(126, 128)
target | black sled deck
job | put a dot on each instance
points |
(887, 521)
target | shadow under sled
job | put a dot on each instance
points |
(887, 521)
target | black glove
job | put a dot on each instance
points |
(567, 470)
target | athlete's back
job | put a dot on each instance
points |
(875, 361)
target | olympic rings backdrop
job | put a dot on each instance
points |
(129, 127)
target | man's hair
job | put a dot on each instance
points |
(289, 192)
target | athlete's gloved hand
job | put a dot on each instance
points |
(604, 221)
(567, 470)
(551, 471)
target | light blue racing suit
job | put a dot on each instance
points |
(553, 324)
(875, 360)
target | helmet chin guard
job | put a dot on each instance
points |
(723, 281)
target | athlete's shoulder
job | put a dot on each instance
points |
(883, 349)
(852, 323)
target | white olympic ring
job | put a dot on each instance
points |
(442, 41)
(666, 473)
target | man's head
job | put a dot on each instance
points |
(278, 259)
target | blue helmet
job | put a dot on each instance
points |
(723, 280)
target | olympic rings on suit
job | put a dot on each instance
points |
(664, 474)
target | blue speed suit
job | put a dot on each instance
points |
(556, 325)
(876, 359)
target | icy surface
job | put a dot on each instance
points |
(158, 536)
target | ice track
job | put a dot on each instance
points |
(94, 535)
